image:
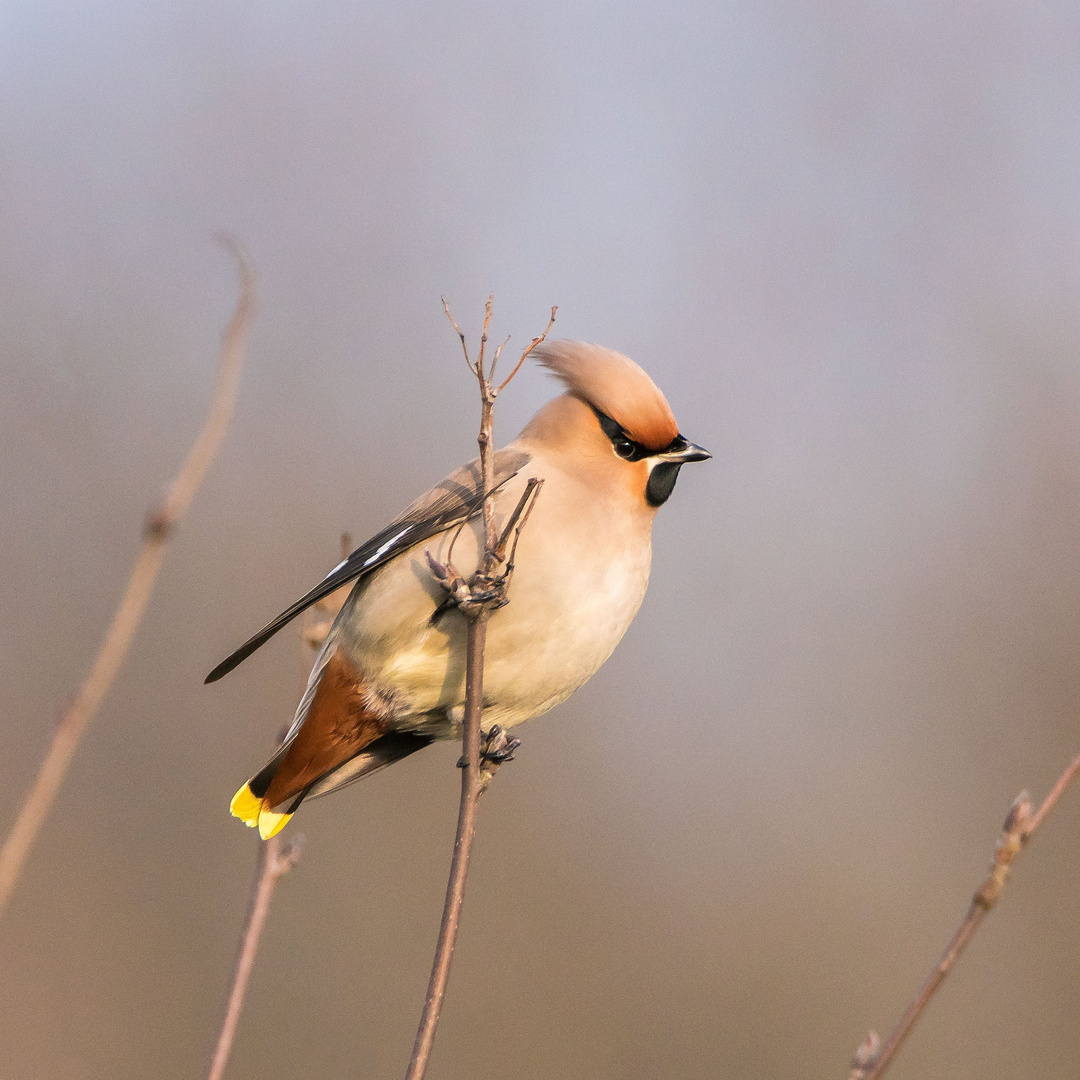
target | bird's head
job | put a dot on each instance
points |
(613, 417)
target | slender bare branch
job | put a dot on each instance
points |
(459, 865)
(77, 716)
(533, 489)
(484, 593)
(483, 343)
(532, 345)
(460, 334)
(873, 1058)
(516, 521)
(487, 472)
(1064, 780)
(275, 860)
(498, 353)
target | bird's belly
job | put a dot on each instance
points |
(561, 624)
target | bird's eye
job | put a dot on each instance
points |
(626, 448)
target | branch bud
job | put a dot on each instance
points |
(1014, 831)
(865, 1056)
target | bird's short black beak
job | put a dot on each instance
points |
(683, 451)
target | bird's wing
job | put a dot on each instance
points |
(456, 499)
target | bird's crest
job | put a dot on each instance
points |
(615, 385)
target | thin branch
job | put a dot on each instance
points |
(498, 353)
(460, 334)
(159, 525)
(459, 864)
(532, 345)
(1064, 780)
(483, 343)
(532, 489)
(516, 522)
(483, 594)
(873, 1058)
(275, 860)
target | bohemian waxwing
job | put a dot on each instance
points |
(390, 677)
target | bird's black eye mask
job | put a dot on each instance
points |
(663, 475)
(624, 446)
(629, 450)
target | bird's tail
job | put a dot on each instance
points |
(340, 735)
(256, 812)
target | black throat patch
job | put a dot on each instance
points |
(662, 482)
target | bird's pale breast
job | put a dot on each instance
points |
(581, 571)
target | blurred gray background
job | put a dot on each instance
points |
(844, 238)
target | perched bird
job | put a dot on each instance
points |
(390, 677)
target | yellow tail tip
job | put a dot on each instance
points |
(270, 824)
(253, 813)
(246, 807)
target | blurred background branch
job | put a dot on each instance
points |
(872, 1058)
(275, 860)
(159, 525)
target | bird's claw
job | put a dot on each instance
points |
(496, 746)
(485, 591)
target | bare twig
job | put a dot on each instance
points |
(484, 593)
(873, 1058)
(498, 353)
(275, 860)
(459, 864)
(516, 522)
(77, 716)
(532, 345)
(460, 334)
(1064, 780)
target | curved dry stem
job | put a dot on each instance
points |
(532, 345)
(275, 860)
(498, 353)
(460, 334)
(77, 716)
(873, 1057)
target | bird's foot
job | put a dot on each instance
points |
(496, 746)
(483, 593)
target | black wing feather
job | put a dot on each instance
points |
(363, 560)
(456, 499)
